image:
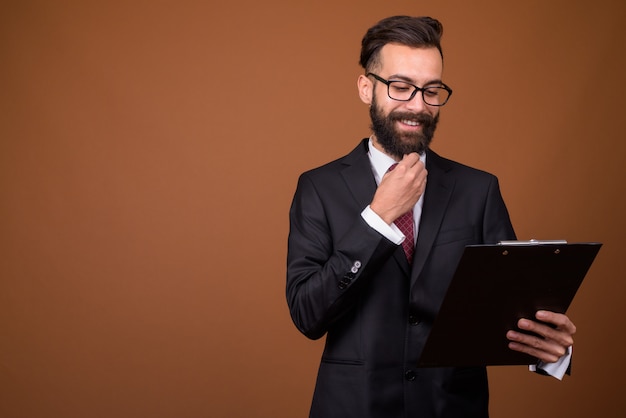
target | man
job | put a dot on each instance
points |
(349, 276)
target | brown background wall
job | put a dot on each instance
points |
(149, 151)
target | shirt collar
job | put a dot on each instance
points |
(381, 162)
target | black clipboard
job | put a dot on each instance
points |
(493, 287)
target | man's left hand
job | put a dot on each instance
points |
(550, 343)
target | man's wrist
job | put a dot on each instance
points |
(558, 369)
(389, 231)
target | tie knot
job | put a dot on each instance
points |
(393, 166)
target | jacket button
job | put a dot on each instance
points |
(410, 375)
(414, 319)
(345, 282)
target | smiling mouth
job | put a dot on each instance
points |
(410, 122)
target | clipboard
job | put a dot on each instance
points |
(493, 287)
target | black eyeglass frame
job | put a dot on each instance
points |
(416, 89)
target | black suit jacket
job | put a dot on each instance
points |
(348, 282)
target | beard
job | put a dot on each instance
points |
(395, 143)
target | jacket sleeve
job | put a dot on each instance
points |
(496, 222)
(332, 253)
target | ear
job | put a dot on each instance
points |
(365, 86)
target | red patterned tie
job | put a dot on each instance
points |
(406, 225)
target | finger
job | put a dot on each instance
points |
(560, 321)
(413, 166)
(544, 350)
(544, 356)
(561, 337)
(408, 168)
(409, 162)
(410, 159)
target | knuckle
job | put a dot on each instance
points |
(536, 343)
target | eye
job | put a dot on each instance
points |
(432, 91)
(400, 87)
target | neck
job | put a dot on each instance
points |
(380, 148)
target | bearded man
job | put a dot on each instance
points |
(374, 240)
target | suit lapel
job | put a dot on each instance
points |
(436, 198)
(358, 175)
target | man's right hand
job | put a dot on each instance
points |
(400, 189)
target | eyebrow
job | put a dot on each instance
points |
(400, 77)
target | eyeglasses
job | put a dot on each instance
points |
(403, 91)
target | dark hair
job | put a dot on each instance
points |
(404, 30)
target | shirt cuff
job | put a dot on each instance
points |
(391, 232)
(556, 369)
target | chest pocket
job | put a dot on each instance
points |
(467, 235)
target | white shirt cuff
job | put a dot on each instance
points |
(391, 232)
(556, 369)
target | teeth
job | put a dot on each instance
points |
(410, 122)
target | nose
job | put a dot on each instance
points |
(416, 104)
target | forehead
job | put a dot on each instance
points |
(417, 64)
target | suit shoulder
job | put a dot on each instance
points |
(334, 166)
(459, 169)
(326, 168)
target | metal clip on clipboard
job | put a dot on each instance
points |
(535, 242)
